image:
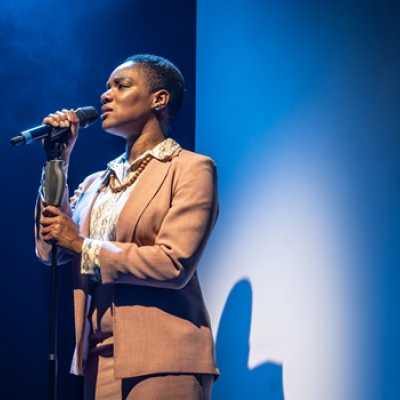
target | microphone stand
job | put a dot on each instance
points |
(53, 191)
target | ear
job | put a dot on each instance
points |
(160, 99)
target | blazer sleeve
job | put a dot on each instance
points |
(171, 261)
(42, 248)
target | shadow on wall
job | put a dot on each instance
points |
(237, 381)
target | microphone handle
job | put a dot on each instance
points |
(37, 133)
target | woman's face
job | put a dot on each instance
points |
(127, 102)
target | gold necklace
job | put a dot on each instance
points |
(118, 187)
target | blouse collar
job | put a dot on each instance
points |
(163, 151)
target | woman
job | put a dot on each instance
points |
(135, 233)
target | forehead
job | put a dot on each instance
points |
(129, 69)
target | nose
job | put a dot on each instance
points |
(106, 97)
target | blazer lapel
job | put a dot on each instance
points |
(141, 195)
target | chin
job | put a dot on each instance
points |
(106, 126)
(113, 130)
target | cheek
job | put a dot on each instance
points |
(134, 101)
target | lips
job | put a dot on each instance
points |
(105, 112)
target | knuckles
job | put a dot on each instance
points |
(61, 116)
(56, 227)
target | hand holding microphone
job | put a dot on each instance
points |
(65, 119)
(58, 133)
(57, 226)
(57, 125)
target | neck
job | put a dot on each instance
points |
(149, 137)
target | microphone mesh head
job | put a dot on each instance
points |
(87, 116)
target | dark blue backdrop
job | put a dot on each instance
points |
(55, 55)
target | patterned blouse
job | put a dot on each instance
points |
(108, 205)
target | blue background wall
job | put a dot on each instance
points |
(55, 55)
(298, 104)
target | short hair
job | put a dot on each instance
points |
(163, 74)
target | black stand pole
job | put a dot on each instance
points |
(53, 326)
(53, 191)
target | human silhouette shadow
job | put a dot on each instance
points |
(237, 381)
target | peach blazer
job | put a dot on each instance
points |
(160, 322)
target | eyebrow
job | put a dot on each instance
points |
(118, 79)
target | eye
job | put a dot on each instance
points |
(122, 85)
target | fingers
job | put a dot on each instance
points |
(57, 119)
(64, 119)
(45, 230)
(74, 122)
(49, 220)
(51, 211)
(59, 229)
(50, 232)
(71, 115)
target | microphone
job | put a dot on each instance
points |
(86, 115)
